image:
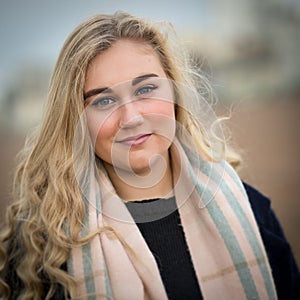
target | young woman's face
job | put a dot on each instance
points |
(129, 107)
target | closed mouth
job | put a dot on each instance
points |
(135, 140)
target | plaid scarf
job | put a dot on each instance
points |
(221, 232)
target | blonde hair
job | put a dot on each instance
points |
(46, 219)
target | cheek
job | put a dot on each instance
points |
(162, 119)
(161, 108)
(102, 131)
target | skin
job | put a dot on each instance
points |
(132, 124)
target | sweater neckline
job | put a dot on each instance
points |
(149, 210)
(145, 201)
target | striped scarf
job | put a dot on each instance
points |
(222, 236)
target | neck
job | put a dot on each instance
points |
(156, 183)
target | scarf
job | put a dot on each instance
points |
(219, 226)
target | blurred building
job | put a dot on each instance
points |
(255, 54)
(23, 100)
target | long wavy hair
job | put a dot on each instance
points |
(46, 218)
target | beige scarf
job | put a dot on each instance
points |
(223, 238)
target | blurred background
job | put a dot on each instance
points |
(249, 49)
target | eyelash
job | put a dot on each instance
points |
(149, 88)
(139, 93)
(97, 102)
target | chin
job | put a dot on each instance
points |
(137, 164)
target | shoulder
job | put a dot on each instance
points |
(285, 271)
(261, 206)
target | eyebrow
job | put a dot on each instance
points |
(93, 92)
(139, 79)
(134, 82)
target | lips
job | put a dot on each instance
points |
(135, 140)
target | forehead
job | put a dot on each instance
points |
(123, 61)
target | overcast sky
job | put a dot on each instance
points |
(34, 30)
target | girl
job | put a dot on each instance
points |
(126, 192)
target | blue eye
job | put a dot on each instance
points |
(103, 102)
(145, 90)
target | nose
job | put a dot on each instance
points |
(130, 116)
